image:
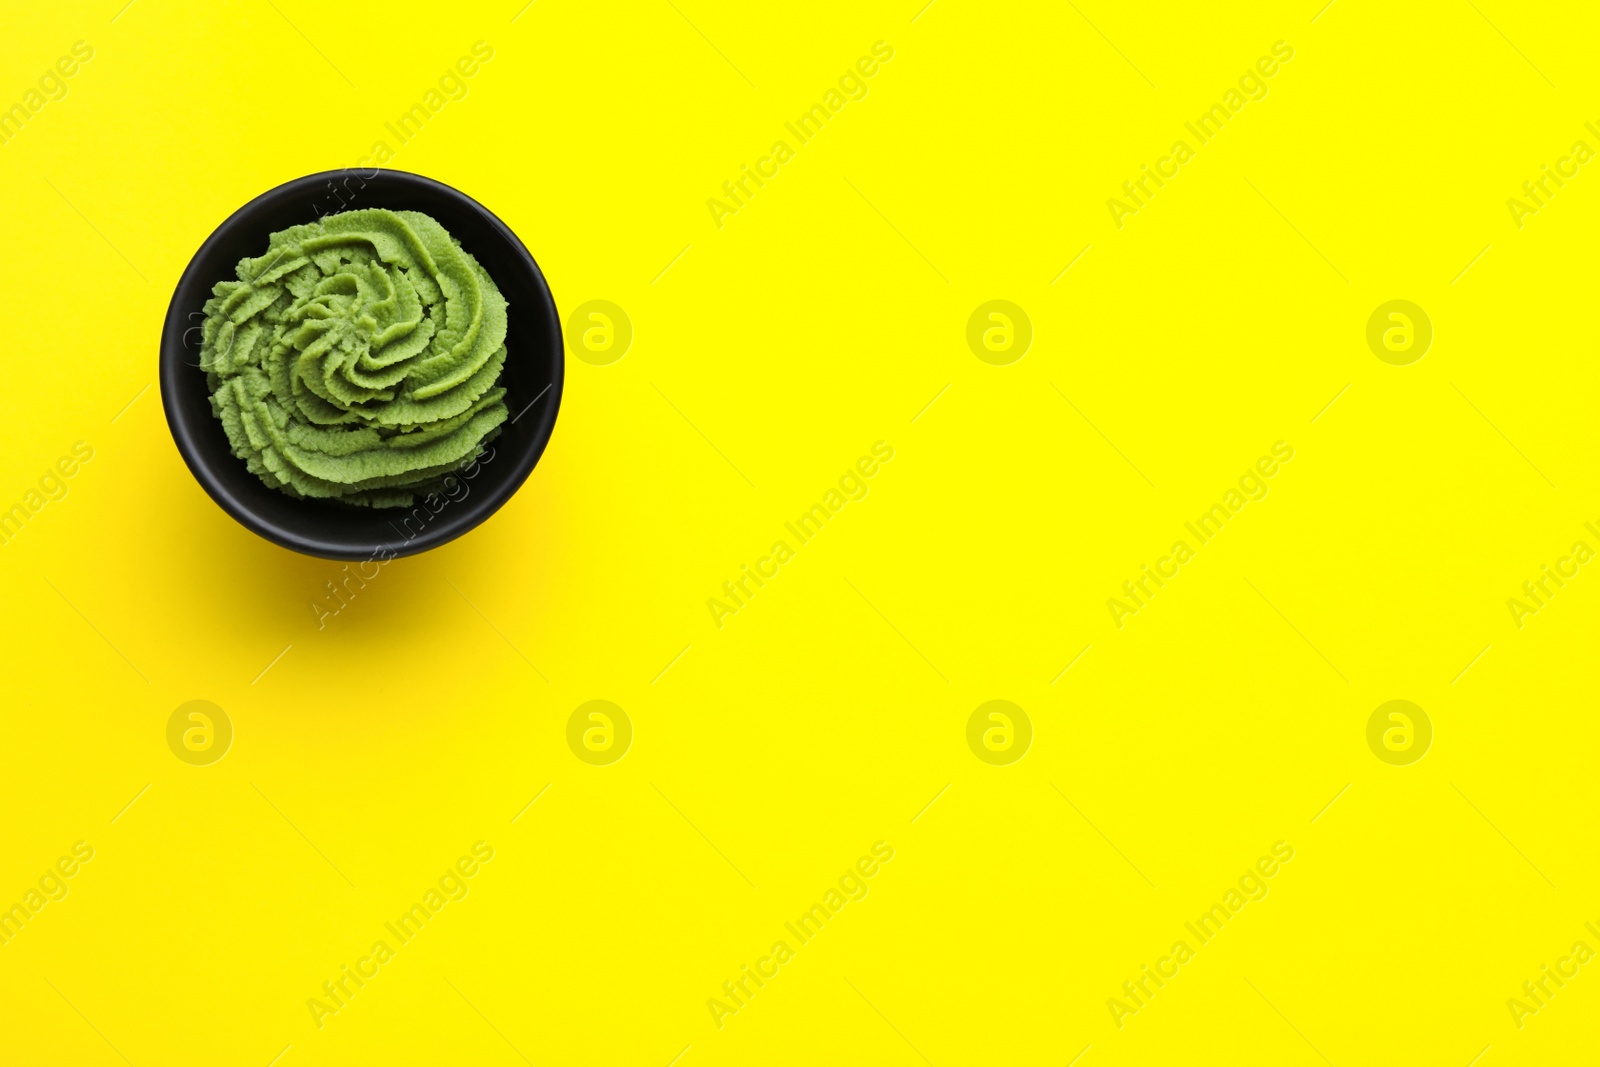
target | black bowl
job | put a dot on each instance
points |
(329, 529)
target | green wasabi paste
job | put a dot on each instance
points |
(356, 359)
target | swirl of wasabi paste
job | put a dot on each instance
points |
(356, 360)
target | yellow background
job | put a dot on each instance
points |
(825, 716)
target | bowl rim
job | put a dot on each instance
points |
(203, 464)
